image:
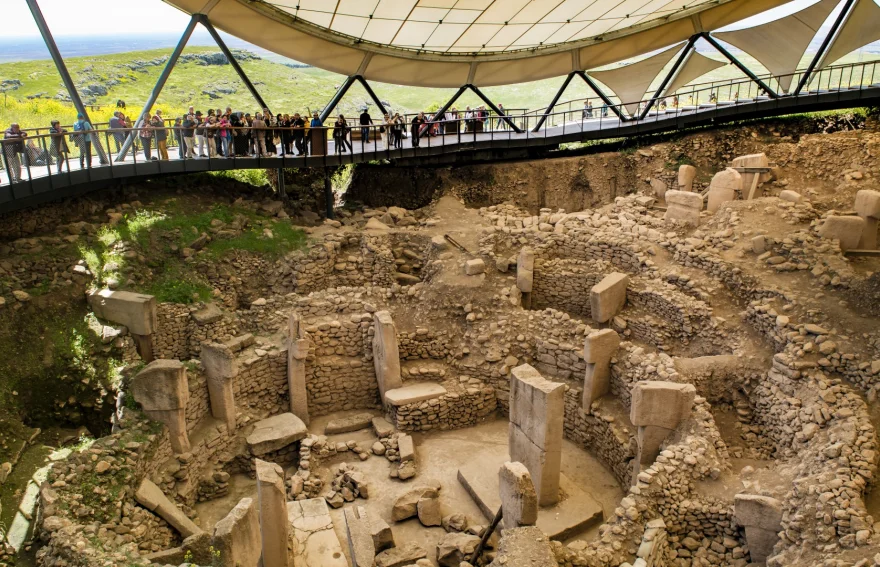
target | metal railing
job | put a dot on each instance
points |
(40, 156)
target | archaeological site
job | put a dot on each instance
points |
(657, 353)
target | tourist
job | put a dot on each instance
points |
(189, 132)
(366, 121)
(399, 130)
(500, 124)
(58, 144)
(211, 135)
(270, 132)
(386, 130)
(239, 135)
(178, 137)
(83, 141)
(340, 135)
(146, 136)
(299, 134)
(284, 123)
(200, 133)
(249, 124)
(468, 119)
(417, 123)
(588, 110)
(259, 135)
(161, 135)
(117, 128)
(222, 131)
(12, 149)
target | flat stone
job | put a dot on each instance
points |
(413, 393)
(153, 499)
(351, 423)
(312, 527)
(382, 427)
(407, 554)
(210, 313)
(276, 433)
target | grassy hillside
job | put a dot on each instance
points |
(131, 76)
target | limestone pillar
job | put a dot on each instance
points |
(537, 410)
(686, 176)
(847, 231)
(360, 541)
(723, 188)
(868, 207)
(657, 408)
(525, 274)
(221, 369)
(519, 501)
(237, 536)
(297, 352)
(386, 356)
(134, 310)
(274, 527)
(761, 516)
(599, 348)
(608, 297)
(683, 206)
(162, 390)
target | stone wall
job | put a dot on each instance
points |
(458, 408)
(180, 332)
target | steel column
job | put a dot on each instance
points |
(672, 73)
(832, 33)
(587, 79)
(328, 192)
(349, 81)
(370, 92)
(160, 84)
(446, 106)
(770, 92)
(203, 19)
(552, 104)
(495, 109)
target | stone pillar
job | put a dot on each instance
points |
(683, 206)
(656, 409)
(221, 369)
(297, 352)
(723, 188)
(847, 231)
(868, 207)
(360, 541)
(237, 536)
(274, 527)
(608, 297)
(153, 499)
(134, 310)
(599, 348)
(686, 176)
(761, 516)
(162, 390)
(386, 356)
(537, 410)
(525, 275)
(519, 500)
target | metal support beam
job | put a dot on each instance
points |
(445, 107)
(770, 92)
(370, 92)
(672, 73)
(160, 84)
(282, 190)
(328, 193)
(203, 19)
(65, 74)
(349, 81)
(554, 101)
(602, 95)
(495, 109)
(832, 33)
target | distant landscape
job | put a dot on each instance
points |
(31, 91)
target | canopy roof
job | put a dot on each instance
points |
(448, 43)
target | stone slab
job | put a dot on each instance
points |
(567, 518)
(347, 424)
(413, 393)
(360, 542)
(846, 230)
(314, 539)
(867, 203)
(276, 433)
(662, 404)
(608, 297)
(237, 536)
(153, 499)
(382, 427)
(536, 407)
(134, 310)
(401, 556)
(161, 386)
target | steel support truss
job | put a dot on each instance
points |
(349, 81)
(714, 42)
(482, 97)
(586, 78)
(832, 33)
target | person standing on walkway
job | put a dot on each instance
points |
(146, 136)
(299, 134)
(366, 121)
(500, 124)
(161, 135)
(189, 131)
(340, 135)
(259, 131)
(58, 145)
(12, 149)
(417, 123)
(83, 140)
(387, 125)
(117, 124)
(222, 131)
(399, 130)
(177, 131)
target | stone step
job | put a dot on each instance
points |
(414, 393)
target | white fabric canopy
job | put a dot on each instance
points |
(695, 67)
(448, 43)
(631, 82)
(862, 27)
(779, 45)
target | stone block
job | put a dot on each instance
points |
(536, 407)
(210, 313)
(518, 497)
(274, 523)
(428, 510)
(791, 196)
(658, 186)
(683, 206)
(649, 439)
(381, 427)
(297, 353)
(406, 505)
(868, 203)
(348, 424)
(220, 369)
(162, 390)
(314, 541)
(360, 543)
(276, 433)
(847, 230)
(454, 548)
(600, 346)
(525, 269)
(386, 354)
(753, 510)
(759, 244)
(153, 499)
(544, 466)
(474, 267)
(414, 393)
(608, 297)
(406, 554)
(134, 310)
(751, 160)
(686, 176)
(237, 536)
(723, 188)
(405, 448)
(662, 404)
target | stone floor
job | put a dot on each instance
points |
(439, 456)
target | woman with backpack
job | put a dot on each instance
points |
(83, 140)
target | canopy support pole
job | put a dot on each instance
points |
(370, 92)
(592, 84)
(495, 109)
(832, 33)
(672, 73)
(553, 102)
(349, 81)
(770, 92)
(160, 84)
(446, 106)
(203, 19)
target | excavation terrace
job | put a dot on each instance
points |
(675, 369)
